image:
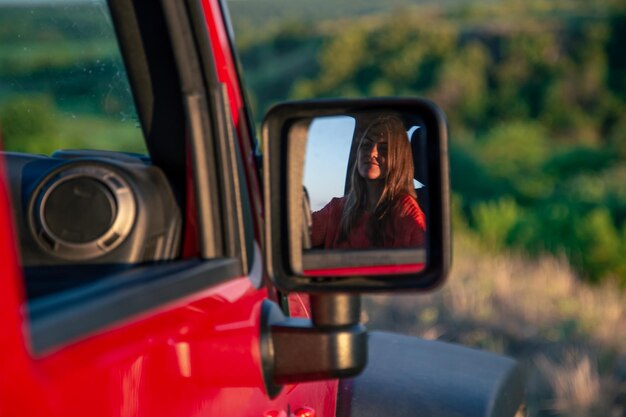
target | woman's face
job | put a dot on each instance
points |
(372, 154)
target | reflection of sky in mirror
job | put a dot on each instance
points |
(326, 162)
(409, 133)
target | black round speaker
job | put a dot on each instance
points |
(79, 210)
(82, 211)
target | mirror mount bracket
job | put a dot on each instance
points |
(333, 344)
(335, 309)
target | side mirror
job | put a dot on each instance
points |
(357, 194)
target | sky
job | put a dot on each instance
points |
(326, 161)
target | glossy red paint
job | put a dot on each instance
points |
(304, 412)
(187, 359)
(366, 270)
(224, 60)
(146, 366)
(19, 381)
(199, 357)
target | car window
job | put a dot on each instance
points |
(62, 81)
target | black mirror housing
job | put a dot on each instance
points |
(295, 134)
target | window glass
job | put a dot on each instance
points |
(62, 81)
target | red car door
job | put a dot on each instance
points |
(173, 335)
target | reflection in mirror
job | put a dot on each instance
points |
(327, 156)
(365, 179)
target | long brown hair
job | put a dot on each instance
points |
(398, 182)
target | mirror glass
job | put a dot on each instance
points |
(327, 158)
(365, 192)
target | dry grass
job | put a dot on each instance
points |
(577, 386)
(570, 337)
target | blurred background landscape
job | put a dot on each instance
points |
(62, 80)
(535, 94)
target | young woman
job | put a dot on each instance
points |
(381, 209)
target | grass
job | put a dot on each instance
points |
(28, 57)
(101, 133)
(83, 132)
(569, 337)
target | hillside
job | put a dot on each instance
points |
(535, 94)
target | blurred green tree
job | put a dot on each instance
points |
(29, 123)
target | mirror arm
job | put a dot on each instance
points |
(335, 309)
(331, 345)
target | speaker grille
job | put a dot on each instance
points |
(82, 210)
(79, 210)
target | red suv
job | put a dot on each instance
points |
(156, 257)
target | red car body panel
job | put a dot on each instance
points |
(369, 270)
(19, 382)
(198, 356)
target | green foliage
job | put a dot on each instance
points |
(465, 75)
(616, 58)
(514, 149)
(27, 116)
(535, 94)
(601, 246)
(495, 221)
(33, 124)
(480, 185)
(28, 123)
(458, 219)
(294, 46)
(579, 159)
(62, 81)
(536, 100)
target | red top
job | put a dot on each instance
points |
(408, 227)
